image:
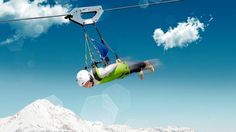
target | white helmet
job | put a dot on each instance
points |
(82, 77)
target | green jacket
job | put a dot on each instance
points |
(121, 70)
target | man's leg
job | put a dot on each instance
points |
(140, 66)
(145, 65)
(137, 67)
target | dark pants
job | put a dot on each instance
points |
(137, 67)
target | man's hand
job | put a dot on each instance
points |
(118, 61)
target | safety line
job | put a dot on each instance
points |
(140, 5)
(108, 9)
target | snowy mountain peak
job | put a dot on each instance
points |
(42, 115)
(44, 109)
(41, 103)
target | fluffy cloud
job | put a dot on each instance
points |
(180, 36)
(25, 8)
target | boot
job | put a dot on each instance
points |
(149, 66)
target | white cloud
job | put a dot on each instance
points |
(23, 9)
(11, 39)
(180, 36)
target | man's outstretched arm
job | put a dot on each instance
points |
(103, 72)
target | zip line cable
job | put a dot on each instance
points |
(108, 9)
(32, 18)
(140, 5)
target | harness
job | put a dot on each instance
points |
(95, 73)
(121, 71)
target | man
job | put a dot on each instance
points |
(111, 72)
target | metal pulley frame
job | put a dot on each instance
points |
(76, 15)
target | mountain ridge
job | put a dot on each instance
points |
(43, 116)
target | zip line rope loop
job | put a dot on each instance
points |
(86, 49)
(94, 47)
(88, 46)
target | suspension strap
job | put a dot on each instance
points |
(86, 57)
(86, 50)
(104, 42)
(95, 48)
(87, 46)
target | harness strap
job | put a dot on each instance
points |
(104, 42)
(95, 73)
(87, 47)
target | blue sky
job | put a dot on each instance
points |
(194, 87)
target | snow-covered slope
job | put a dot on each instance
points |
(43, 116)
